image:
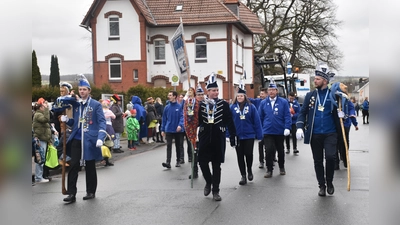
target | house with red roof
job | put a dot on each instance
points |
(131, 42)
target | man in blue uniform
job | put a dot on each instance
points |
(276, 123)
(87, 136)
(319, 118)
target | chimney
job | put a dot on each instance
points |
(233, 5)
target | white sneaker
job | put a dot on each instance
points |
(150, 141)
(43, 181)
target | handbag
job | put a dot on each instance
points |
(109, 141)
(51, 157)
(39, 152)
(105, 151)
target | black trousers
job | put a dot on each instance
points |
(261, 150)
(189, 149)
(215, 177)
(74, 168)
(365, 113)
(294, 140)
(273, 144)
(178, 140)
(320, 144)
(341, 148)
(244, 153)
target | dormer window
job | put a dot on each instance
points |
(179, 8)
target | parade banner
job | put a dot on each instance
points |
(179, 54)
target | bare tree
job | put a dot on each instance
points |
(303, 30)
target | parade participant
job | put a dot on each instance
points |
(172, 128)
(118, 122)
(191, 120)
(276, 122)
(319, 118)
(214, 117)
(365, 110)
(294, 112)
(350, 119)
(88, 132)
(248, 127)
(256, 102)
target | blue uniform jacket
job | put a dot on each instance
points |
(275, 121)
(94, 128)
(296, 107)
(352, 116)
(250, 127)
(305, 119)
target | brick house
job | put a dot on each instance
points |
(131, 42)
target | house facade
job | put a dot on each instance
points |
(131, 42)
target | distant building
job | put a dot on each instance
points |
(363, 92)
(131, 42)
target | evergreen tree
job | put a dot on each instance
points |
(36, 77)
(54, 72)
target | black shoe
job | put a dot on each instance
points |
(167, 165)
(268, 174)
(295, 151)
(217, 197)
(89, 196)
(243, 180)
(178, 164)
(109, 164)
(207, 189)
(330, 189)
(190, 160)
(282, 171)
(182, 161)
(261, 165)
(322, 191)
(287, 151)
(120, 147)
(250, 177)
(195, 176)
(275, 159)
(70, 199)
(116, 150)
(345, 163)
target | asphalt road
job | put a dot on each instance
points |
(138, 190)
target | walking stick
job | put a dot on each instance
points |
(346, 147)
(64, 131)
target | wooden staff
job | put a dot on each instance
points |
(64, 131)
(346, 147)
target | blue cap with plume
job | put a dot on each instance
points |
(82, 81)
(199, 90)
(212, 82)
(66, 85)
(272, 83)
(323, 71)
(241, 89)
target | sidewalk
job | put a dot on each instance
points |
(115, 156)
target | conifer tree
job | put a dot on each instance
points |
(36, 76)
(54, 72)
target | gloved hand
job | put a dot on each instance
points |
(99, 143)
(299, 134)
(286, 132)
(64, 118)
(341, 114)
(232, 139)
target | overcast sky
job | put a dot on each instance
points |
(56, 31)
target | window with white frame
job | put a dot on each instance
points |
(115, 69)
(135, 75)
(114, 27)
(201, 48)
(159, 50)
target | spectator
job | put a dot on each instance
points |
(365, 110)
(117, 122)
(159, 109)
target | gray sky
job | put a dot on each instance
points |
(56, 31)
